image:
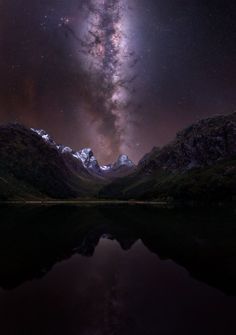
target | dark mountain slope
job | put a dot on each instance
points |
(202, 144)
(31, 167)
(199, 164)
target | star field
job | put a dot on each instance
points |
(117, 76)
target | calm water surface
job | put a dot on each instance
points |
(117, 270)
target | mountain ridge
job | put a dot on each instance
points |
(33, 165)
(88, 159)
(200, 163)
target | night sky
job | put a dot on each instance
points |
(119, 76)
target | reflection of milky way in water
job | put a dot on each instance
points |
(126, 270)
(116, 292)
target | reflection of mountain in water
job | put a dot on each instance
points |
(32, 240)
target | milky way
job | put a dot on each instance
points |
(116, 76)
(107, 57)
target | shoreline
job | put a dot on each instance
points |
(84, 202)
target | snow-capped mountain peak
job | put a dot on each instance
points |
(124, 160)
(106, 168)
(47, 138)
(87, 158)
(86, 155)
(64, 150)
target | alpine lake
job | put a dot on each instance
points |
(117, 269)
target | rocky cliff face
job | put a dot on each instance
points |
(85, 157)
(199, 164)
(201, 161)
(122, 167)
(202, 144)
(33, 165)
